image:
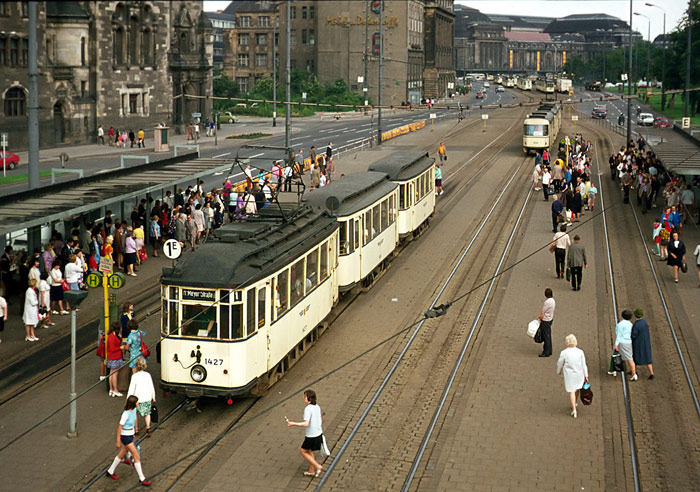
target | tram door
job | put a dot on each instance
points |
(409, 203)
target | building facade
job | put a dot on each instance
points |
(303, 25)
(253, 42)
(439, 72)
(222, 24)
(117, 64)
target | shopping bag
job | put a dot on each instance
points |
(324, 447)
(586, 394)
(532, 327)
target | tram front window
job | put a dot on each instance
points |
(536, 130)
(199, 321)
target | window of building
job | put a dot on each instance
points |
(310, 65)
(4, 10)
(261, 60)
(119, 43)
(243, 39)
(83, 88)
(312, 36)
(261, 39)
(133, 103)
(242, 83)
(83, 53)
(25, 52)
(292, 37)
(25, 9)
(14, 51)
(303, 12)
(293, 13)
(277, 39)
(312, 12)
(304, 36)
(243, 60)
(293, 63)
(15, 100)
(263, 21)
(244, 21)
(3, 51)
(148, 47)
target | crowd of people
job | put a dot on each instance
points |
(122, 138)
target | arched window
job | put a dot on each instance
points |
(119, 46)
(15, 102)
(134, 41)
(184, 45)
(148, 48)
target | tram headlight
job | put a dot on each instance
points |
(198, 373)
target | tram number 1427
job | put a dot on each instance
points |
(214, 362)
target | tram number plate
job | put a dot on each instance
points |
(214, 362)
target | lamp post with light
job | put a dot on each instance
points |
(663, 66)
(648, 42)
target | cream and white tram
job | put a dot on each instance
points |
(365, 207)
(541, 127)
(237, 313)
(414, 172)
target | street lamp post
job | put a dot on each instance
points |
(663, 66)
(686, 101)
(648, 42)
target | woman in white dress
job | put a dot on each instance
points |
(572, 361)
(142, 387)
(31, 311)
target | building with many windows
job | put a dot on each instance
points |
(252, 42)
(222, 24)
(303, 26)
(117, 64)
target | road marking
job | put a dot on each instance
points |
(256, 155)
(234, 175)
(221, 155)
(219, 173)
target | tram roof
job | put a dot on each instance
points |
(250, 250)
(354, 192)
(403, 165)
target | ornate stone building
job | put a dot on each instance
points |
(439, 45)
(123, 64)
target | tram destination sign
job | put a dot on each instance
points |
(198, 295)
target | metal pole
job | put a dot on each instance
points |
(287, 116)
(72, 432)
(274, 68)
(366, 84)
(686, 102)
(216, 127)
(629, 84)
(381, 63)
(33, 103)
(648, 48)
(663, 69)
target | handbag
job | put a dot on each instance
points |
(586, 394)
(538, 336)
(684, 267)
(154, 413)
(101, 350)
(532, 328)
(616, 364)
(552, 247)
(65, 285)
(145, 351)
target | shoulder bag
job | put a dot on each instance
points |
(538, 335)
(154, 413)
(145, 351)
(586, 394)
(684, 267)
(65, 285)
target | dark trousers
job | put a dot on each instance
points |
(556, 185)
(288, 184)
(554, 223)
(546, 330)
(559, 258)
(576, 276)
(545, 190)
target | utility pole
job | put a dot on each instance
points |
(287, 117)
(365, 87)
(663, 67)
(381, 63)
(686, 99)
(629, 84)
(33, 103)
(274, 65)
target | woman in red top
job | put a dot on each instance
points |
(114, 357)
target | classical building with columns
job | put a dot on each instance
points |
(117, 64)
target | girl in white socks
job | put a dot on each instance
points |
(125, 441)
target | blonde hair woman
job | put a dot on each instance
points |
(572, 362)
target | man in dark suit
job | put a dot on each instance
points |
(557, 209)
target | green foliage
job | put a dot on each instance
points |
(224, 87)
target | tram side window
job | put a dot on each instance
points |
(376, 224)
(262, 294)
(164, 318)
(324, 260)
(352, 236)
(416, 185)
(402, 195)
(224, 321)
(237, 321)
(344, 237)
(282, 292)
(311, 270)
(357, 232)
(173, 324)
(392, 208)
(368, 227)
(250, 315)
(199, 321)
(297, 280)
(385, 214)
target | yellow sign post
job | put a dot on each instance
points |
(107, 278)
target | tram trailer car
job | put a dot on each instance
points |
(541, 127)
(524, 84)
(546, 86)
(238, 312)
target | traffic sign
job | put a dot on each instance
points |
(117, 280)
(686, 123)
(484, 117)
(172, 249)
(196, 115)
(433, 116)
(3, 139)
(94, 280)
(574, 118)
(106, 265)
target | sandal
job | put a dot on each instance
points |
(148, 432)
(318, 472)
(309, 474)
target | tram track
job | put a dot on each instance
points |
(661, 414)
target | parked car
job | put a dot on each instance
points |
(661, 122)
(244, 105)
(500, 88)
(599, 112)
(227, 117)
(645, 119)
(486, 85)
(479, 95)
(11, 160)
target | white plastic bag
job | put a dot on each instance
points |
(532, 327)
(324, 448)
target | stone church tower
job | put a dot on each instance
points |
(126, 65)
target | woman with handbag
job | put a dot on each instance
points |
(142, 387)
(57, 288)
(676, 254)
(136, 346)
(115, 359)
(572, 363)
(313, 441)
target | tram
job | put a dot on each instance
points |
(545, 85)
(524, 84)
(241, 310)
(541, 127)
